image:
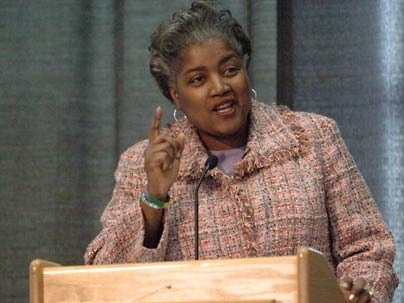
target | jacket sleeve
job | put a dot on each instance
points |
(362, 244)
(122, 234)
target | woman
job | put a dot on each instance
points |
(283, 179)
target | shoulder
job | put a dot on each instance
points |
(306, 129)
(134, 152)
(313, 124)
(306, 120)
(131, 161)
(281, 115)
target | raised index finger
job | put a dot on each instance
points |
(155, 125)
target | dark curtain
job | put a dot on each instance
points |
(57, 132)
(345, 59)
(75, 91)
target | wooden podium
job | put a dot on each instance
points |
(303, 278)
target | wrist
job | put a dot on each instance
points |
(156, 191)
(152, 201)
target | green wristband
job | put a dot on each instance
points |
(153, 202)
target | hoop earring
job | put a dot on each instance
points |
(175, 116)
(253, 94)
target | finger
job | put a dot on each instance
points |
(358, 286)
(155, 125)
(357, 289)
(162, 158)
(180, 140)
(346, 283)
(173, 152)
(370, 294)
(167, 144)
(365, 297)
(164, 161)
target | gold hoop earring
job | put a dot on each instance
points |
(175, 116)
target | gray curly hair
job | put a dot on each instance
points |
(204, 20)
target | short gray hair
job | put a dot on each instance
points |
(204, 20)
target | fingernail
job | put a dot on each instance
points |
(351, 297)
(345, 285)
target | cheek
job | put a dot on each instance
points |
(246, 94)
(194, 100)
(243, 86)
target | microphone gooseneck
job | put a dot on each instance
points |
(210, 163)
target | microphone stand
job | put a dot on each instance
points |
(210, 163)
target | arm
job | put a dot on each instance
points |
(363, 246)
(161, 164)
(132, 231)
(121, 239)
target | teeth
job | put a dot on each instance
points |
(224, 106)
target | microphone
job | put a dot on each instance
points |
(210, 163)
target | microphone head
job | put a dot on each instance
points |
(211, 162)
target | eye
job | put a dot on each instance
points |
(197, 80)
(231, 70)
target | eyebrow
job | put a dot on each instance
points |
(202, 68)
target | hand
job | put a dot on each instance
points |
(355, 291)
(162, 158)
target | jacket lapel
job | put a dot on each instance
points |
(270, 139)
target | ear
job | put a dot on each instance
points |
(175, 96)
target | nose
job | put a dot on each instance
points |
(219, 86)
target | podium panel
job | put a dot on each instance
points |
(304, 278)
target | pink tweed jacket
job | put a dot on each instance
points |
(297, 185)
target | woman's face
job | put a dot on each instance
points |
(212, 88)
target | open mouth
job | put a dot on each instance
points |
(223, 108)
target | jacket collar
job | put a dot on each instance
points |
(271, 138)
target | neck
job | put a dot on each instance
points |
(219, 143)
